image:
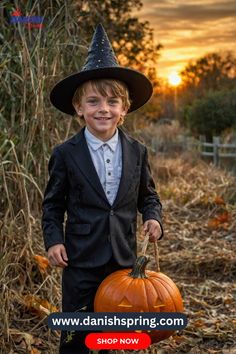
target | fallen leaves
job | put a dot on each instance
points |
(221, 220)
(198, 252)
(35, 351)
(219, 200)
(25, 341)
(38, 306)
(42, 262)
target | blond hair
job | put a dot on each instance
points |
(118, 89)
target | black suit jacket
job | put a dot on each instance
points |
(94, 229)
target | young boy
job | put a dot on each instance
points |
(99, 178)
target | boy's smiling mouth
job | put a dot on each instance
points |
(102, 118)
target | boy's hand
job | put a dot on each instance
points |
(57, 256)
(153, 228)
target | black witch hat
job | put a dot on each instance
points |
(101, 63)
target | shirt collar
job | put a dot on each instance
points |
(96, 143)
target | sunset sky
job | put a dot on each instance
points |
(190, 29)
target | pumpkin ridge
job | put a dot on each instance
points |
(128, 285)
(145, 289)
(128, 279)
(158, 289)
(166, 283)
(114, 276)
(131, 281)
(166, 280)
(118, 273)
(150, 282)
(108, 283)
(173, 301)
(113, 282)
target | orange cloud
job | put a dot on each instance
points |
(189, 30)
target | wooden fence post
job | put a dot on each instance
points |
(216, 142)
(202, 139)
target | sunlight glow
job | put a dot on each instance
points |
(174, 79)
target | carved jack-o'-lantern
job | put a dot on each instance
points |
(138, 290)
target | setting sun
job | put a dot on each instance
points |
(174, 78)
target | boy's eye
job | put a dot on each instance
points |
(92, 100)
(113, 101)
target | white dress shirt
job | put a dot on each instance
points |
(107, 159)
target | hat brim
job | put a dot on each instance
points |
(140, 88)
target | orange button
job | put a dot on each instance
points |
(117, 341)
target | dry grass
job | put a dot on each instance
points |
(196, 253)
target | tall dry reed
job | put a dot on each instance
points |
(32, 60)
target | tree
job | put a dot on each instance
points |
(212, 72)
(131, 39)
(213, 113)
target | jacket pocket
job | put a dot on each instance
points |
(80, 229)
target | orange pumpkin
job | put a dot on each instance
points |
(139, 290)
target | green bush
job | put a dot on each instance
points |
(212, 114)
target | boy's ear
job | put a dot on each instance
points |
(78, 110)
(124, 112)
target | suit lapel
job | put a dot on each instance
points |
(129, 162)
(82, 157)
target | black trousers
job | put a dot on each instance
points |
(79, 286)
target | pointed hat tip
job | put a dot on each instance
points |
(99, 27)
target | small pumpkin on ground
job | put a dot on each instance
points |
(139, 290)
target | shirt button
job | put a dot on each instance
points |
(108, 160)
(112, 212)
(108, 192)
(109, 173)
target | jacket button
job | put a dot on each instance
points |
(112, 212)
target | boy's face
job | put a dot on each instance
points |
(101, 113)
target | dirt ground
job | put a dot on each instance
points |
(197, 252)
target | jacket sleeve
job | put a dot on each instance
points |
(54, 203)
(149, 204)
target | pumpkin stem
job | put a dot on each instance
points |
(138, 270)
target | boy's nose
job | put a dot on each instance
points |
(103, 107)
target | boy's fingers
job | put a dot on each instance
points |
(154, 234)
(152, 239)
(64, 254)
(60, 262)
(56, 260)
(146, 227)
(153, 230)
(51, 259)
